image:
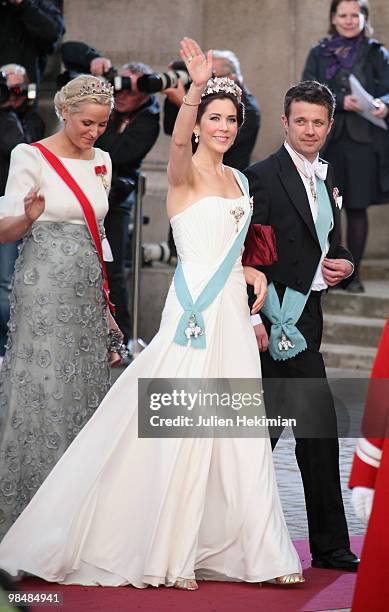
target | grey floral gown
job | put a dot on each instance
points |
(55, 372)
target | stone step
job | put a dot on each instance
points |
(375, 269)
(355, 331)
(348, 356)
(359, 305)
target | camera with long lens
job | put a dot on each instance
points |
(148, 83)
(158, 81)
(24, 89)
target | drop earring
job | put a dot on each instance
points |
(196, 139)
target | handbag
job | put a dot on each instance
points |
(260, 248)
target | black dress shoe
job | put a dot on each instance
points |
(355, 286)
(342, 560)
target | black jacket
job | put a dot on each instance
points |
(372, 70)
(28, 33)
(280, 200)
(77, 56)
(15, 129)
(238, 156)
(128, 148)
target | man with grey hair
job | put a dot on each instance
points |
(226, 63)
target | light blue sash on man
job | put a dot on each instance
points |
(191, 327)
(286, 340)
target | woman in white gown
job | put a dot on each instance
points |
(118, 509)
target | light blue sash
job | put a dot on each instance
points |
(286, 340)
(191, 327)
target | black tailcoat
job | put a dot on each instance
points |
(301, 389)
(280, 200)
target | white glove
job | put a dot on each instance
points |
(362, 500)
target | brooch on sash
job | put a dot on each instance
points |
(285, 344)
(193, 330)
(101, 171)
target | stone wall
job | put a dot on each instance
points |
(271, 38)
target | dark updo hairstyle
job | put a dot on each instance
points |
(364, 9)
(222, 96)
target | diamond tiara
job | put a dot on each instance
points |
(222, 85)
(96, 88)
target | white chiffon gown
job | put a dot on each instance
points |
(119, 510)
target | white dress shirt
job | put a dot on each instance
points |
(308, 170)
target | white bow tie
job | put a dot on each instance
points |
(306, 168)
(318, 168)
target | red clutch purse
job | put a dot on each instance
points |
(260, 246)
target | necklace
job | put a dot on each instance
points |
(312, 187)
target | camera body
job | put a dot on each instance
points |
(22, 90)
(118, 82)
(146, 83)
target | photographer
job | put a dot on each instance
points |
(29, 31)
(132, 130)
(18, 123)
(225, 64)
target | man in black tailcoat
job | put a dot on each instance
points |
(294, 193)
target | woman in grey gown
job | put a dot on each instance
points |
(56, 368)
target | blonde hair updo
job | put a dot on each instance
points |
(84, 89)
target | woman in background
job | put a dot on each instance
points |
(357, 149)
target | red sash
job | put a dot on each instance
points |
(87, 209)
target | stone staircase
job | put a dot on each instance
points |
(353, 322)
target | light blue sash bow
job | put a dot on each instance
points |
(191, 327)
(286, 340)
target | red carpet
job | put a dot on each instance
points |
(323, 590)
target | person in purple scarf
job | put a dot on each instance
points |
(357, 149)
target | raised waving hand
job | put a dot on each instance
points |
(198, 65)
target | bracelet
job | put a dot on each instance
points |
(185, 101)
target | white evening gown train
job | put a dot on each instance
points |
(120, 510)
